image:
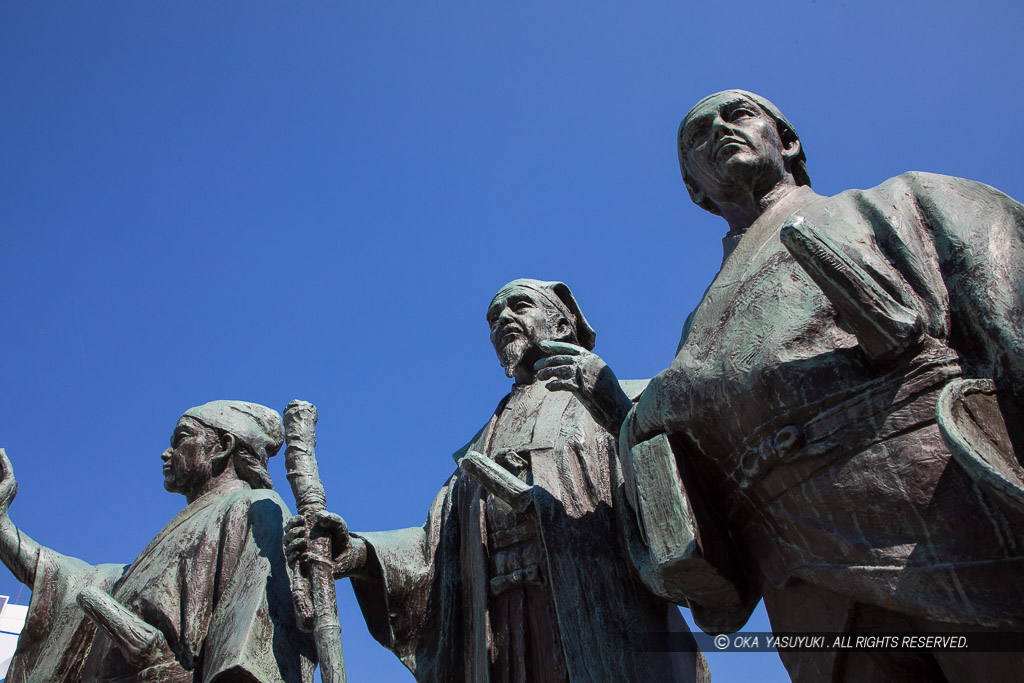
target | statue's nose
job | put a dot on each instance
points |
(719, 127)
(166, 455)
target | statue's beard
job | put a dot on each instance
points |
(512, 353)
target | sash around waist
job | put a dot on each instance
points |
(792, 447)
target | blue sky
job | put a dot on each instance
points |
(264, 201)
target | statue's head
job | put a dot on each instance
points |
(525, 312)
(221, 434)
(735, 136)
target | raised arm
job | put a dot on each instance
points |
(19, 552)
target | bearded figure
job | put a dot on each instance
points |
(520, 572)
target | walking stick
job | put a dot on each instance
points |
(304, 476)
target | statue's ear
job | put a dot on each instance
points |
(700, 198)
(696, 194)
(564, 330)
(222, 454)
(790, 145)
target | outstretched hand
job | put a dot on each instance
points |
(8, 484)
(569, 367)
(348, 553)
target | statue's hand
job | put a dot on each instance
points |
(8, 484)
(348, 553)
(573, 368)
(169, 671)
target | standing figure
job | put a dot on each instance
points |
(519, 573)
(207, 601)
(803, 397)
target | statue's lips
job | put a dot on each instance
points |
(726, 143)
(510, 332)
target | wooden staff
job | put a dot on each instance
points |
(304, 476)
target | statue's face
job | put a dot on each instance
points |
(187, 465)
(729, 143)
(518, 320)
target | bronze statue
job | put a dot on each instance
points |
(802, 401)
(207, 601)
(518, 573)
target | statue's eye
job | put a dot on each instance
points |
(742, 112)
(692, 136)
(179, 436)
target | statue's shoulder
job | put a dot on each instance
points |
(911, 181)
(933, 191)
(949, 196)
(261, 503)
(923, 182)
(920, 183)
(252, 495)
(476, 443)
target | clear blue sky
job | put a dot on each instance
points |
(264, 201)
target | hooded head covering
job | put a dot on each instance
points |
(557, 294)
(258, 427)
(786, 131)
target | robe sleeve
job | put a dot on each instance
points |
(411, 592)
(978, 234)
(399, 587)
(57, 634)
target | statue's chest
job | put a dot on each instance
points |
(530, 421)
(765, 338)
(761, 313)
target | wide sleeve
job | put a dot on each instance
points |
(57, 634)
(398, 589)
(978, 234)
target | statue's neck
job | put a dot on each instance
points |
(742, 211)
(524, 378)
(227, 482)
(783, 205)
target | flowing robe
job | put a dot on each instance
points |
(213, 581)
(428, 598)
(830, 470)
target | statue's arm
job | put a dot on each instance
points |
(663, 407)
(17, 550)
(979, 239)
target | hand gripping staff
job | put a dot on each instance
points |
(304, 476)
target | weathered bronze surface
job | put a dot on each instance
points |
(207, 600)
(519, 572)
(802, 402)
(316, 582)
